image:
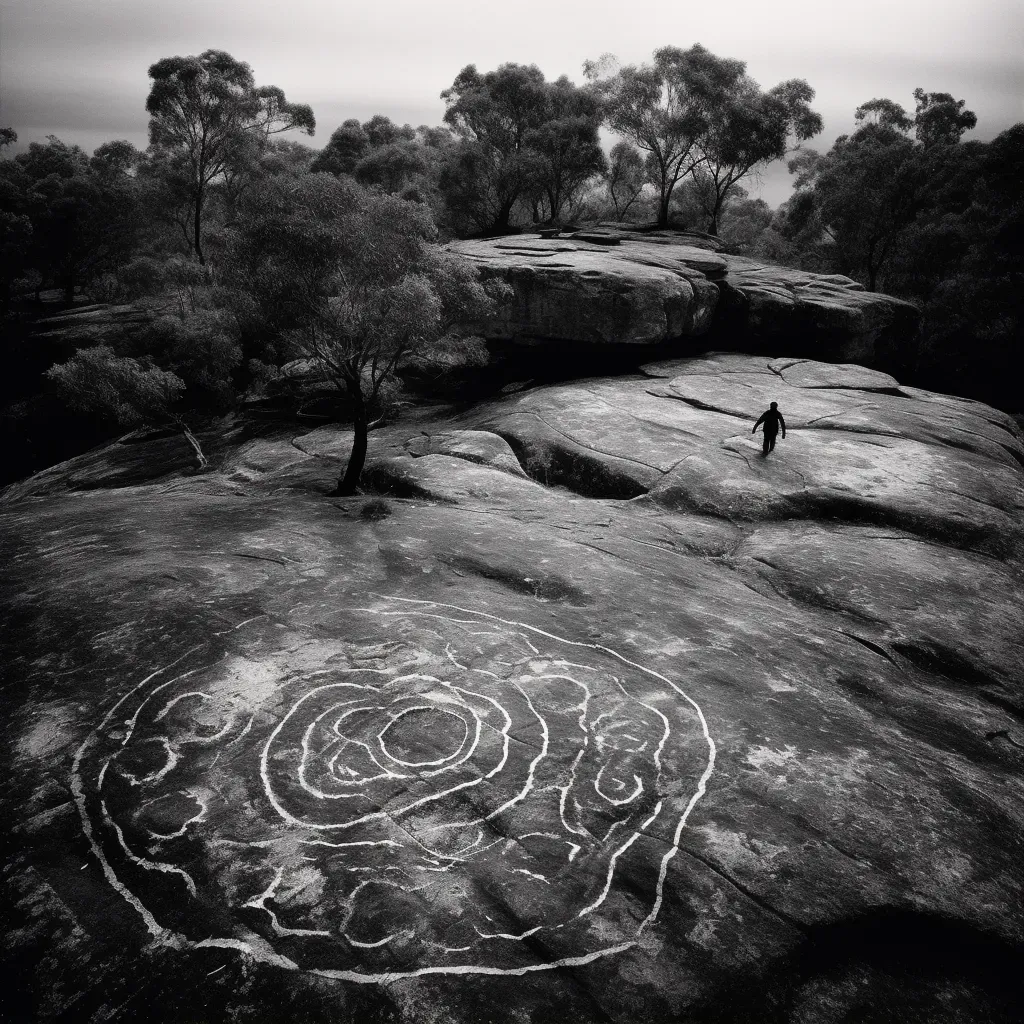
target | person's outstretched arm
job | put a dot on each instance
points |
(782, 423)
(758, 423)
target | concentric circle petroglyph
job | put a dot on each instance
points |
(457, 793)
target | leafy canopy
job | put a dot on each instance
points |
(209, 119)
(667, 107)
(523, 138)
(357, 274)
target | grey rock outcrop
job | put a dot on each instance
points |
(657, 287)
(577, 291)
(742, 736)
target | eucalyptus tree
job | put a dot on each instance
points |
(523, 140)
(939, 119)
(208, 116)
(494, 114)
(132, 392)
(356, 274)
(748, 130)
(667, 108)
(347, 145)
(15, 225)
(85, 215)
(877, 187)
(567, 144)
(624, 178)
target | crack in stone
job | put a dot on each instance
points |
(875, 648)
(748, 893)
(823, 604)
(697, 404)
(266, 558)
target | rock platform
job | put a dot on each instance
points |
(583, 711)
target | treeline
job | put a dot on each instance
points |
(249, 250)
(515, 150)
(907, 207)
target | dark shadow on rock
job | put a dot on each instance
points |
(548, 588)
(884, 966)
(592, 475)
(387, 476)
(833, 505)
(940, 660)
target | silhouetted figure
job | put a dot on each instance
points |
(772, 420)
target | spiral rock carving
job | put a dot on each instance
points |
(473, 795)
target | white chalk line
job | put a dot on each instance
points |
(258, 950)
(260, 903)
(638, 789)
(78, 791)
(133, 779)
(422, 764)
(709, 740)
(527, 787)
(142, 862)
(374, 815)
(201, 816)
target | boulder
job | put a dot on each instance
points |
(768, 308)
(859, 448)
(623, 287)
(573, 291)
(480, 446)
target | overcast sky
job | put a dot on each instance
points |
(77, 68)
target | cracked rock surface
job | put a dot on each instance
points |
(584, 711)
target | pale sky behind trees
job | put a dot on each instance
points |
(77, 68)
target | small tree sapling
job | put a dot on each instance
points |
(134, 394)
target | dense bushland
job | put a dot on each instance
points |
(243, 249)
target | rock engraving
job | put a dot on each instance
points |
(473, 795)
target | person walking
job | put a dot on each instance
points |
(772, 420)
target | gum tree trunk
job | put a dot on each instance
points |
(197, 227)
(357, 459)
(193, 441)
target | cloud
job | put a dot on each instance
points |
(78, 68)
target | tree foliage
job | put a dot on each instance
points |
(874, 188)
(940, 120)
(124, 389)
(905, 205)
(15, 225)
(85, 215)
(347, 145)
(209, 118)
(493, 113)
(624, 178)
(523, 139)
(567, 145)
(363, 284)
(396, 159)
(748, 130)
(666, 108)
(744, 221)
(973, 315)
(698, 115)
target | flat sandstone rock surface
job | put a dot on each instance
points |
(588, 712)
